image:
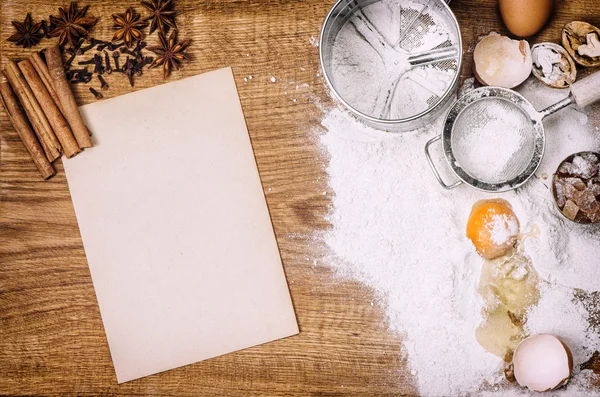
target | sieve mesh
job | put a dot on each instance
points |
(369, 58)
(493, 140)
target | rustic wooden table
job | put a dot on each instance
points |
(51, 338)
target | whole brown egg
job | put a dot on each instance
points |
(525, 18)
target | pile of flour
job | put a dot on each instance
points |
(395, 229)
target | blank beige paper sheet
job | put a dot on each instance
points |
(176, 229)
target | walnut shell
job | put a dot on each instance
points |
(562, 71)
(574, 35)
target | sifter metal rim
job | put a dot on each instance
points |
(507, 95)
(387, 122)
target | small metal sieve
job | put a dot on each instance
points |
(405, 76)
(481, 122)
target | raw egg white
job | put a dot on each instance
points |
(525, 18)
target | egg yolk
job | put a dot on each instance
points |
(493, 228)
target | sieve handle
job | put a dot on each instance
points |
(586, 91)
(435, 171)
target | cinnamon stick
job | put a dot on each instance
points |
(52, 112)
(34, 111)
(65, 95)
(19, 122)
(42, 70)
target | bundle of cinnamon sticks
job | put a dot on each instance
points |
(41, 106)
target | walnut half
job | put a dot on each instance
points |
(582, 42)
(553, 65)
(592, 48)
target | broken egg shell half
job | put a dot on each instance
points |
(501, 61)
(577, 34)
(542, 363)
(553, 65)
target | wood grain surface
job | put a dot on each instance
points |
(52, 342)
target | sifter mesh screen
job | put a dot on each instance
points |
(493, 140)
(369, 68)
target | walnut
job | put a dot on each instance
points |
(582, 42)
(553, 65)
(592, 48)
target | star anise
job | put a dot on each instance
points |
(162, 15)
(72, 25)
(170, 53)
(27, 34)
(128, 26)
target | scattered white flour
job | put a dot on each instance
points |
(566, 253)
(377, 79)
(395, 229)
(503, 228)
(273, 79)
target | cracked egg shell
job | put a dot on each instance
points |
(501, 61)
(542, 363)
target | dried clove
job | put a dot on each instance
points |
(82, 77)
(128, 69)
(87, 62)
(137, 68)
(130, 76)
(73, 72)
(96, 93)
(115, 46)
(133, 66)
(93, 43)
(104, 84)
(87, 48)
(127, 65)
(104, 45)
(70, 60)
(76, 49)
(98, 68)
(108, 68)
(128, 52)
(116, 56)
(138, 50)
